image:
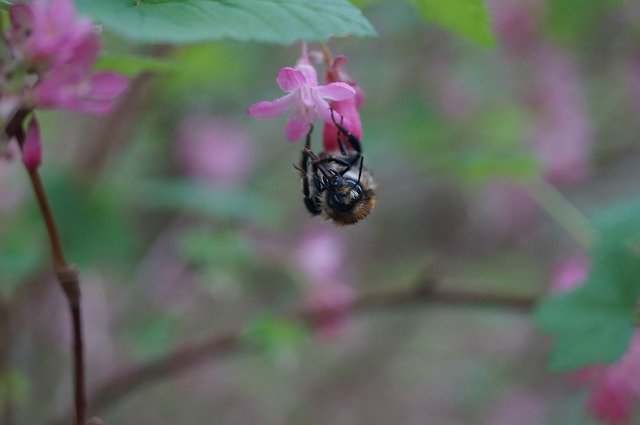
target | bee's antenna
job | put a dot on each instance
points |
(360, 172)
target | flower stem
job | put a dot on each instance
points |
(67, 275)
(563, 212)
(70, 282)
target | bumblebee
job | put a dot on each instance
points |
(336, 185)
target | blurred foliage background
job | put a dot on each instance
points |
(186, 218)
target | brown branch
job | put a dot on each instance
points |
(219, 345)
(67, 275)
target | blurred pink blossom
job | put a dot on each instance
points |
(320, 257)
(214, 150)
(304, 97)
(616, 386)
(570, 273)
(48, 33)
(562, 136)
(516, 22)
(79, 91)
(48, 39)
(346, 110)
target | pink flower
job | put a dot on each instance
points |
(61, 49)
(348, 108)
(48, 33)
(304, 97)
(32, 148)
(214, 150)
(562, 137)
(76, 90)
(320, 257)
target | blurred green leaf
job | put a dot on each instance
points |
(94, 224)
(207, 200)
(276, 337)
(153, 335)
(595, 322)
(132, 65)
(20, 254)
(484, 164)
(14, 386)
(571, 20)
(468, 18)
(189, 21)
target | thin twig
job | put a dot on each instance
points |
(219, 345)
(67, 275)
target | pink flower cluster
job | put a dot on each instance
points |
(308, 101)
(51, 55)
(615, 387)
(562, 136)
(320, 258)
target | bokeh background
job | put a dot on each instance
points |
(186, 219)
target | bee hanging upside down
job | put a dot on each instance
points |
(338, 187)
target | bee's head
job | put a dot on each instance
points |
(343, 194)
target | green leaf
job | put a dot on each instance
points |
(594, 323)
(570, 20)
(468, 18)
(189, 21)
(132, 65)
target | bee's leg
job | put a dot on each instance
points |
(353, 140)
(331, 159)
(309, 201)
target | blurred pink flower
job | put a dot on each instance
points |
(562, 137)
(305, 98)
(32, 148)
(48, 33)
(60, 48)
(616, 386)
(346, 110)
(79, 91)
(320, 257)
(215, 151)
(516, 22)
(570, 273)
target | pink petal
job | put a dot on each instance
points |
(297, 128)
(270, 109)
(86, 50)
(290, 79)
(21, 16)
(62, 12)
(108, 84)
(32, 148)
(336, 91)
(309, 73)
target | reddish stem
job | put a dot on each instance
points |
(67, 275)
